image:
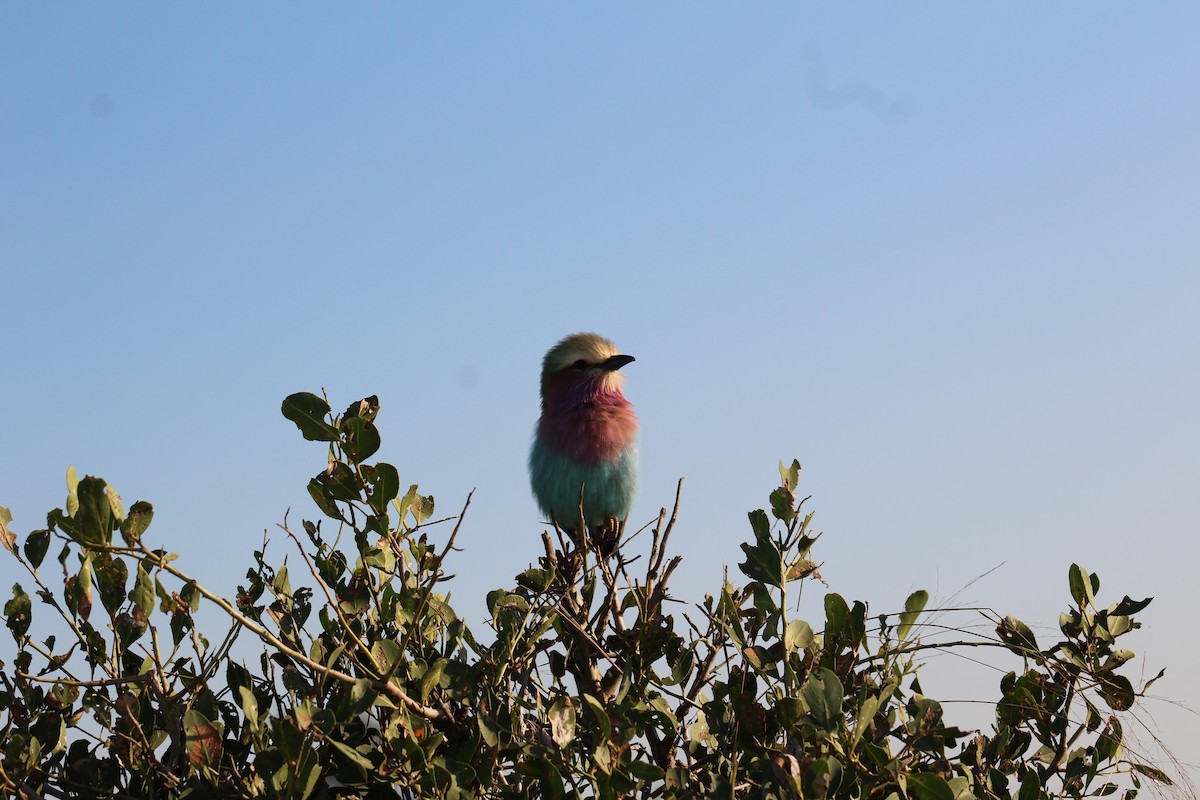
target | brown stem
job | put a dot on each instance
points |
(389, 688)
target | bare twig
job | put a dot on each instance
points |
(433, 581)
(145, 677)
(389, 688)
(333, 603)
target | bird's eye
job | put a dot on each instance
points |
(580, 365)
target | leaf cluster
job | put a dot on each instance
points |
(592, 681)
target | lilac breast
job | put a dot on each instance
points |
(590, 430)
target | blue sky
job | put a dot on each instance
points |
(947, 259)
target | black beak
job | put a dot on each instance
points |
(615, 362)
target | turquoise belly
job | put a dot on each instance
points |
(609, 487)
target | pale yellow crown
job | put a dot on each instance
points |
(591, 349)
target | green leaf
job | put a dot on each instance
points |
(602, 757)
(698, 732)
(662, 713)
(385, 487)
(866, 713)
(361, 438)
(928, 786)
(181, 623)
(505, 599)
(781, 505)
(1110, 744)
(1153, 773)
(797, 636)
(1146, 686)
(357, 758)
(1017, 636)
(78, 590)
(822, 777)
(323, 499)
(281, 583)
(95, 515)
(1117, 691)
(36, 544)
(790, 475)
(536, 579)
(385, 653)
(142, 593)
(880, 757)
(1129, 607)
(1117, 658)
(1017, 704)
(539, 768)
(789, 710)
(203, 738)
(801, 567)
(6, 536)
(644, 770)
(764, 561)
(562, 721)
(136, 522)
(1031, 786)
(604, 726)
(360, 697)
(57, 520)
(1081, 586)
(758, 657)
(837, 619)
(308, 412)
(18, 612)
(823, 694)
(490, 734)
(1118, 624)
(381, 558)
(339, 482)
(72, 491)
(431, 677)
(366, 409)
(420, 507)
(111, 575)
(681, 667)
(114, 503)
(760, 525)
(913, 606)
(249, 705)
(961, 786)
(858, 624)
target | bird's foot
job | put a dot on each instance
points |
(607, 536)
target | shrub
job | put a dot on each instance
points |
(369, 684)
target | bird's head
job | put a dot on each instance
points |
(582, 364)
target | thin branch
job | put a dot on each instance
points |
(657, 565)
(333, 603)
(143, 678)
(435, 571)
(389, 688)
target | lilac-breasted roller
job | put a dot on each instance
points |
(587, 435)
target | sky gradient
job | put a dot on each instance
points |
(950, 261)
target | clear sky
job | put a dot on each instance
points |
(948, 258)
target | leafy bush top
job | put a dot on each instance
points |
(595, 681)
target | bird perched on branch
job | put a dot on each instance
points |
(586, 437)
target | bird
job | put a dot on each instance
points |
(586, 437)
